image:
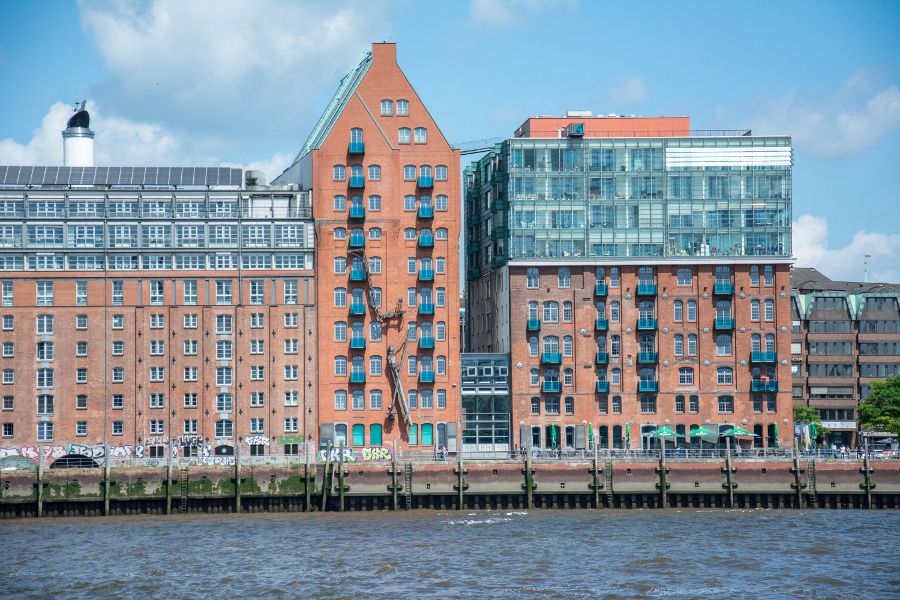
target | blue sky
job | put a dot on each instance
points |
(229, 82)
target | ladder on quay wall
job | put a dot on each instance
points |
(609, 483)
(407, 485)
(184, 490)
(811, 488)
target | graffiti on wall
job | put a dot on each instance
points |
(371, 454)
(257, 440)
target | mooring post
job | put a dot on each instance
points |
(867, 484)
(596, 476)
(325, 477)
(306, 490)
(529, 476)
(394, 490)
(460, 478)
(169, 480)
(40, 484)
(106, 479)
(728, 468)
(341, 479)
(798, 484)
(663, 480)
(237, 477)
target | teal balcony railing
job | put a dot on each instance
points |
(647, 324)
(648, 357)
(647, 385)
(426, 376)
(474, 219)
(723, 288)
(473, 273)
(357, 181)
(763, 357)
(425, 212)
(602, 387)
(762, 385)
(602, 358)
(499, 260)
(426, 241)
(534, 324)
(426, 308)
(600, 288)
(601, 324)
(357, 212)
(426, 275)
(357, 274)
(499, 233)
(724, 323)
(551, 358)
(357, 308)
(357, 240)
(425, 181)
(552, 387)
(357, 148)
(357, 377)
(473, 246)
(646, 289)
(426, 343)
(357, 342)
(499, 205)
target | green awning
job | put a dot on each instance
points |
(701, 432)
(665, 432)
(738, 432)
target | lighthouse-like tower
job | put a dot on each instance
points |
(78, 139)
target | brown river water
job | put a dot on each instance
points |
(683, 553)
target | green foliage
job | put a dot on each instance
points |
(881, 411)
(808, 414)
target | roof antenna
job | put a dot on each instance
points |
(866, 258)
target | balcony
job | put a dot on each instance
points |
(357, 274)
(426, 343)
(498, 177)
(762, 385)
(499, 206)
(472, 194)
(600, 288)
(473, 246)
(648, 358)
(534, 324)
(552, 387)
(426, 376)
(724, 324)
(723, 288)
(357, 308)
(357, 342)
(499, 260)
(425, 212)
(425, 181)
(647, 324)
(426, 308)
(499, 233)
(357, 212)
(474, 219)
(426, 275)
(601, 324)
(551, 358)
(357, 377)
(426, 241)
(357, 181)
(764, 357)
(357, 240)
(646, 289)
(602, 387)
(356, 148)
(473, 273)
(602, 358)
(646, 385)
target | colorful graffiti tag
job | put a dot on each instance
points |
(374, 453)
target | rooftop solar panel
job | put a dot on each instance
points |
(12, 175)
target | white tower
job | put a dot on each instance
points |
(78, 139)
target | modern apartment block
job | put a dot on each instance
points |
(638, 274)
(147, 305)
(486, 408)
(845, 335)
(384, 184)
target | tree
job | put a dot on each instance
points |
(881, 410)
(809, 415)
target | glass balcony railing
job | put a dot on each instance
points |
(357, 377)
(426, 241)
(601, 324)
(426, 343)
(426, 308)
(357, 212)
(647, 385)
(647, 324)
(602, 358)
(426, 376)
(426, 275)
(357, 148)
(357, 342)
(357, 181)
(425, 212)
(646, 289)
(357, 308)
(763, 357)
(552, 387)
(724, 323)
(763, 385)
(534, 324)
(648, 357)
(357, 275)
(551, 358)
(724, 288)
(357, 240)
(425, 181)
(600, 288)
(602, 387)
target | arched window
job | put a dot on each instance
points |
(564, 277)
(356, 171)
(425, 171)
(615, 377)
(403, 135)
(567, 311)
(754, 310)
(339, 173)
(614, 311)
(533, 310)
(402, 108)
(567, 345)
(375, 365)
(375, 233)
(441, 202)
(340, 365)
(340, 400)
(646, 309)
(723, 344)
(533, 345)
(340, 233)
(684, 276)
(359, 435)
(374, 202)
(615, 345)
(685, 376)
(724, 376)
(568, 377)
(770, 342)
(551, 344)
(692, 311)
(409, 172)
(678, 316)
(534, 377)
(679, 345)
(726, 404)
(679, 404)
(421, 135)
(409, 233)
(387, 108)
(340, 297)
(769, 310)
(440, 172)
(551, 312)
(440, 233)
(340, 331)
(374, 172)
(340, 203)
(692, 344)
(755, 342)
(533, 278)
(356, 135)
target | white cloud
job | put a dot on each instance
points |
(838, 122)
(506, 13)
(226, 67)
(631, 91)
(811, 247)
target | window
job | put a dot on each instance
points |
(614, 311)
(692, 311)
(724, 376)
(374, 172)
(81, 402)
(723, 344)
(551, 312)
(340, 399)
(81, 321)
(7, 293)
(9, 376)
(564, 277)
(533, 278)
(81, 298)
(440, 173)
(679, 345)
(768, 275)
(387, 108)
(567, 345)
(679, 404)
(190, 400)
(375, 233)
(223, 292)
(726, 404)
(684, 276)
(769, 310)
(157, 426)
(403, 135)
(190, 426)
(44, 325)
(678, 316)
(224, 324)
(614, 345)
(440, 233)
(567, 311)
(685, 376)
(692, 345)
(44, 431)
(8, 321)
(45, 404)
(190, 321)
(340, 365)
(535, 406)
(257, 373)
(224, 428)
(157, 400)
(156, 321)
(291, 372)
(339, 172)
(694, 404)
(45, 293)
(118, 401)
(402, 108)
(81, 428)
(8, 402)
(257, 424)
(648, 404)
(375, 365)
(118, 375)
(754, 275)
(224, 376)
(340, 297)
(291, 320)
(157, 292)
(754, 310)
(421, 135)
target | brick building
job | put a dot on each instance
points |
(147, 305)
(638, 274)
(385, 185)
(846, 334)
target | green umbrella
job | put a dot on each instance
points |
(701, 433)
(776, 435)
(738, 432)
(665, 432)
(553, 436)
(627, 436)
